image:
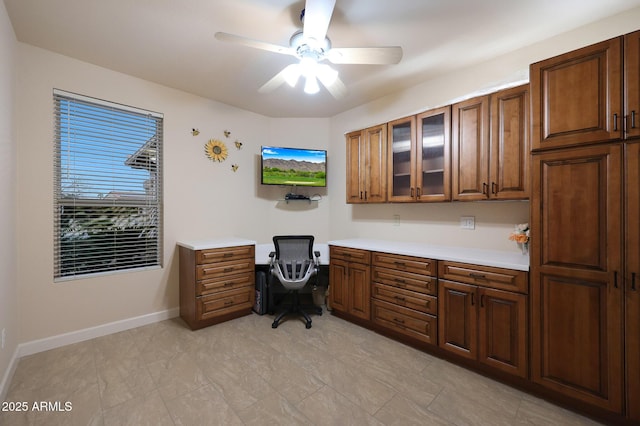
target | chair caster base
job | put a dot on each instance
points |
(274, 325)
(308, 325)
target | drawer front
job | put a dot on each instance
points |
(414, 282)
(224, 254)
(225, 269)
(350, 254)
(216, 285)
(408, 299)
(485, 276)
(224, 302)
(416, 265)
(411, 323)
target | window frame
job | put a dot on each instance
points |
(145, 203)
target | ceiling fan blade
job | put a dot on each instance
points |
(231, 38)
(279, 79)
(317, 15)
(365, 55)
(337, 89)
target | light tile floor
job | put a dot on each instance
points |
(243, 372)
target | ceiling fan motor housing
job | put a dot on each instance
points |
(309, 47)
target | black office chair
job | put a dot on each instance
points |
(293, 263)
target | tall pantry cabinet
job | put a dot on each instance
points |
(585, 207)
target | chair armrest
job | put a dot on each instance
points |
(273, 253)
(317, 253)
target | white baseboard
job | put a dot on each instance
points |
(53, 342)
(41, 345)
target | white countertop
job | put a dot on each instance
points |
(212, 243)
(495, 258)
(263, 250)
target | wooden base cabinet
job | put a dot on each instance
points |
(216, 284)
(632, 277)
(350, 281)
(576, 274)
(404, 290)
(483, 315)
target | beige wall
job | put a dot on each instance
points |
(202, 199)
(205, 199)
(8, 187)
(439, 223)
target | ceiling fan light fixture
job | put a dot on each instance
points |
(292, 74)
(311, 86)
(326, 74)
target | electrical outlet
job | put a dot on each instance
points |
(468, 222)
(396, 220)
(4, 333)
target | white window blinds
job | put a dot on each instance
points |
(108, 187)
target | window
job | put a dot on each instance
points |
(108, 187)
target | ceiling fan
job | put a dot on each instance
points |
(312, 46)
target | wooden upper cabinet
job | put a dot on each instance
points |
(419, 157)
(401, 152)
(632, 84)
(470, 149)
(577, 97)
(366, 165)
(509, 156)
(432, 159)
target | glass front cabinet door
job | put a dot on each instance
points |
(419, 157)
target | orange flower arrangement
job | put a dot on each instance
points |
(520, 234)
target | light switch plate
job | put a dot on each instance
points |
(467, 222)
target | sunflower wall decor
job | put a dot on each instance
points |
(216, 150)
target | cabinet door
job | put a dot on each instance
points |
(433, 163)
(457, 318)
(509, 165)
(355, 166)
(632, 250)
(632, 84)
(401, 180)
(338, 291)
(359, 290)
(576, 278)
(375, 170)
(577, 97)
(470, 149)
(502, 330)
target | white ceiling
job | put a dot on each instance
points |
(172, 42)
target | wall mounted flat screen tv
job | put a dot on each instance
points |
(293, 166)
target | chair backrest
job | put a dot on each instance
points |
(293, 247)
(293, 263)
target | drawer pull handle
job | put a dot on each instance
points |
(482, 301)
(400, 264)
(228, 255)
(400, 281)
(633, 281)
(615, 279)
(477, 276)
(228, 284)
(400, 298)
(633, 119)
(615, 122)
(228, 302)
(494, 188)
(399, 321)
(228, 269)
(472, 302)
